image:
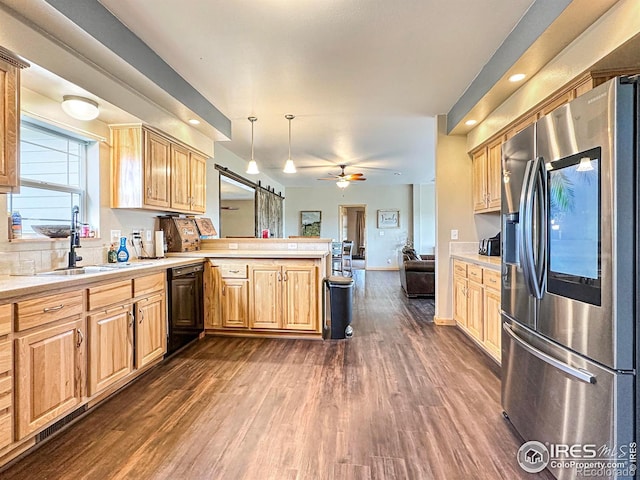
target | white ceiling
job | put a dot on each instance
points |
(364, 78)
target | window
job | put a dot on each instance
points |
(52, 177)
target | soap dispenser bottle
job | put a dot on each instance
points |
(123, 253)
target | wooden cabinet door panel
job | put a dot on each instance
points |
(494, 175)
(157, 160)
(110, 347)
(212, 281)
(49, 374)
(265, 298)
(198, 170)
(180, 178)
(480, 180)
(475, 312)
(151, 329)
(460, 300)
(299, 298)
(492, 322)
(9, 124)
(235, 296)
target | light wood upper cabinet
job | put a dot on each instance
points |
(480, 180)
(10, 67)
(198, 182)
(110, 347)
(50, 374)
(487, 177)
(148, 170)
(151, 330)
(180, 175)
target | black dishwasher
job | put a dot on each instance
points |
(185, 305)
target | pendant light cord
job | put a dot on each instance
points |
(289, 138)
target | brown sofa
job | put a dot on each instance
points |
(417, 273)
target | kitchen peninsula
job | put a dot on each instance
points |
(264, 287)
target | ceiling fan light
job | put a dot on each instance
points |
(80, 108)
(342, 183)
(289, 167)
(252, 168)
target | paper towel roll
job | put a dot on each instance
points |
(159, 244)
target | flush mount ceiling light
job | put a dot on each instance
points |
(342, 183)
(517, 77)
(470, 122)
(80, 108)
(252, 169)
(289, 166)
(194, 121)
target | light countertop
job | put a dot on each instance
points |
(493, 263)
(254, 254)
(15, 286)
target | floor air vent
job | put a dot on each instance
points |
(60, 423)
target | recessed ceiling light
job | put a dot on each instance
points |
(470, 122)
(517, 77)
(193, 121)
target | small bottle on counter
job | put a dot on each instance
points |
(112, 255)
(16, 225)
(123, 253)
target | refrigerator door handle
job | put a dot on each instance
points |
(540, 270)
(527, 260)
(578, 373)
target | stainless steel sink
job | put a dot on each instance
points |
(76, 271)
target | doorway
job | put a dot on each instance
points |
(353, 226)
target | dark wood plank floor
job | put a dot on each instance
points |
(402, 399)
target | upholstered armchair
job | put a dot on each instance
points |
(417, 273)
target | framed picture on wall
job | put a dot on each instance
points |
(388, 218)
(310, 223)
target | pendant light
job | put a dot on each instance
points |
(289, 166)
(252, 169)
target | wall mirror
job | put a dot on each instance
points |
(237, 208)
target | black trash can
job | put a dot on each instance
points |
(337, 300)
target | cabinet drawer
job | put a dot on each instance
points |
(459, 268)
(5, 319)
(39, 311)
(149, 284)
(233, 271)
(6, 400)
(491, 279)
(474, 272)
(6, 362)
(109, 294)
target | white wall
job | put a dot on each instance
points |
(425, 220)
(381, 250)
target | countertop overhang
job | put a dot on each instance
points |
(493, 263)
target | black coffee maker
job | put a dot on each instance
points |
(490, 246)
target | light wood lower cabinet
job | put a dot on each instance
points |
(235, 303)
(283, 297)
(50, 373)
(476, 305)
(262, 295)
(151, 332)
(110, 347)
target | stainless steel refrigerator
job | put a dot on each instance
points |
(570, 273)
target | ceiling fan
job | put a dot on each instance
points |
(342, 180)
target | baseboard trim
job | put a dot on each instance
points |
(447, 322)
